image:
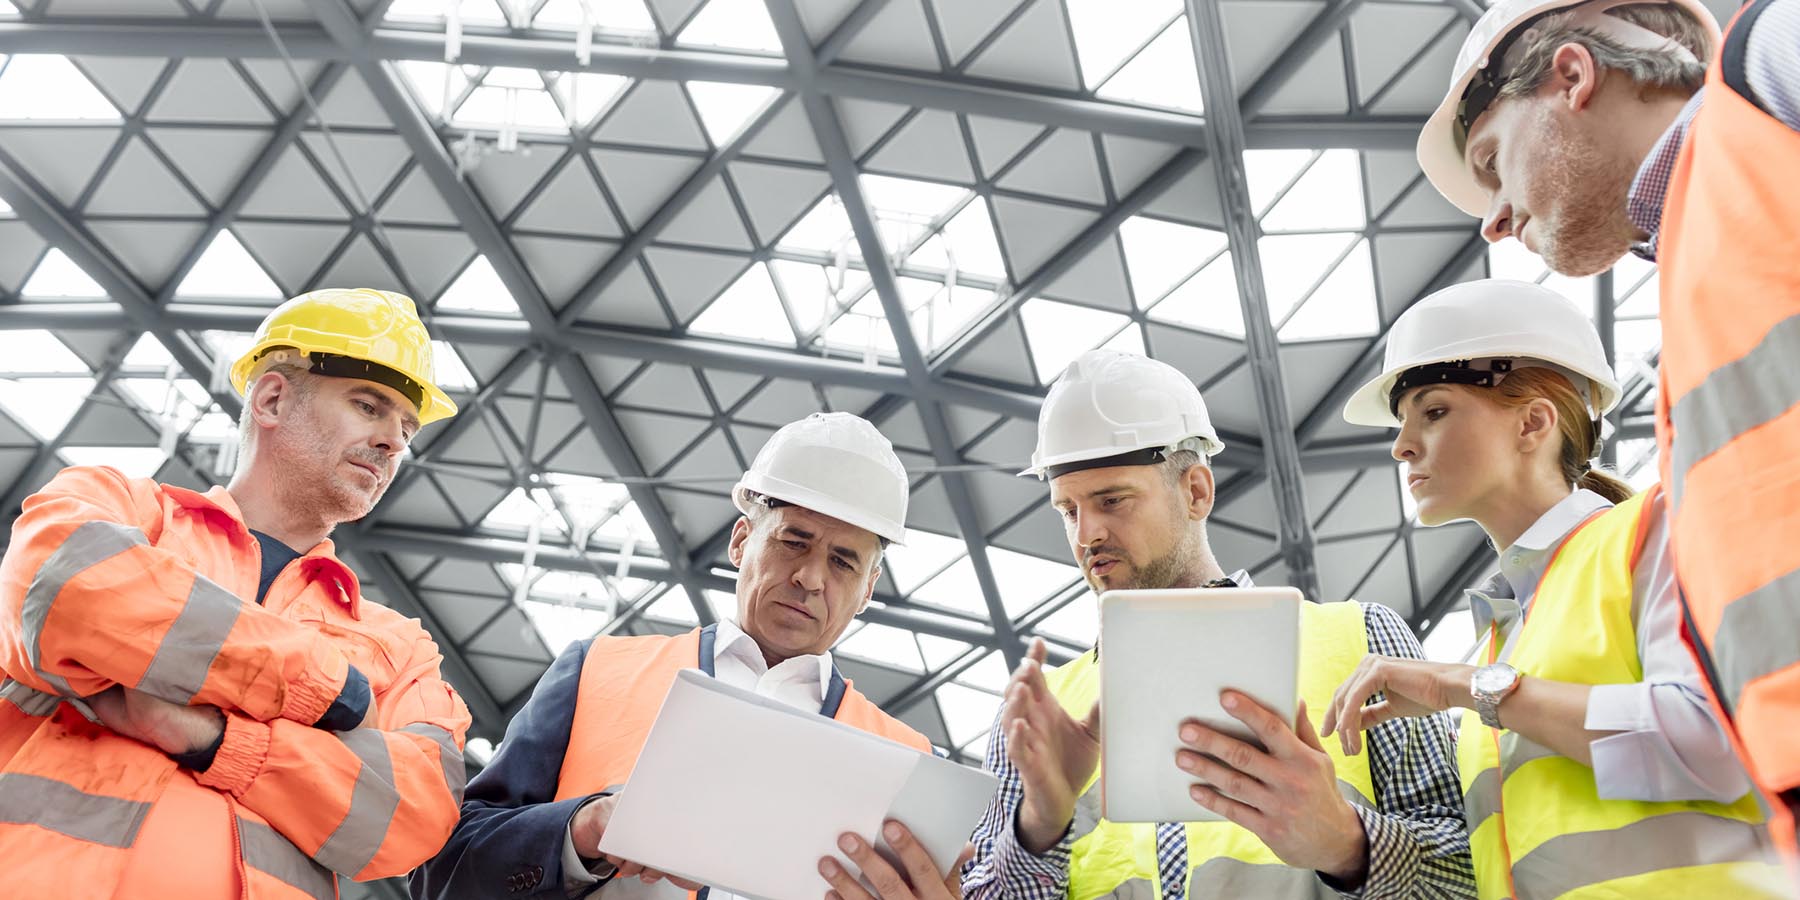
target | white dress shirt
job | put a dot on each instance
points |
(1668, 745)
(799, 681)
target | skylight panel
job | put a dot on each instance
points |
(1129, 340)
(1269, 172)
(1025, 580)
(725, 108)
(1159, 254)
(585, 95)
(135, 462)
(215, 426)
(559, 625)
(1328, 196)
(737, 24)
(967, 240)
(987, 674)
(1059, 332)
(1107, 32)
(908, 198)
(433, 83)
(1163, 74)
(448, 368)
(478, 289)
(749, 308)
(1452, 638)
(58, 276)
(808, 290)
(968, 712)
(938, 651)
(1293, 263)
(824, 229)
(954, 588)
(609, 15)
(50, 88)
(884, 644)
(516, 511)
(628, 525)
(44, 405)
(472, 12)
(1208, 301)
(227, 346)
(1343, 306)
(227, 270)
(940, 311)
(500, 107)
(39, 352)
(864, 329)
(923, 556)
(673, 606)
(1077, 622)
(147, 353)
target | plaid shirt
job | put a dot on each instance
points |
(1418, 842)
(1771, 66)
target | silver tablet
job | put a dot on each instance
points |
(1164, 657)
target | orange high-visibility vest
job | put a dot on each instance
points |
(113, 580)
(1728, 415)
(623, 683)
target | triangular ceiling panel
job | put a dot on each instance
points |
(431, 257)
(1098, 278)
(1386, 36)
(898, 36)
(64, 160)
(1418, 90)
(571, 204)
(125, 80)
(821, 17)
(710, 219)
(786, 136)
(1342, 564)
(628, 300)
(965, 25)
(866, 121)
(138, 183)
(1132, 160)
(293, 189)
(673, 14)
(20, 248)
(1194, 199)
(654, 114)
(1032, 232)
(730, 387)
(691, 279)
(1387, 174)
(561, 266)
(277, 82)
(781, 402)
(642, 182)
(1317, 87)
(698, 515)
(212, 159)
(999, 496)
(776, 196)
(292, 253)
(360, 266)
(929, 508)
(1312, 368)
(110, 425)
(1372, 502)
(416, 200)
(350, 103)
(582, 456)
(999, 141)
(658, 438)
(1034, 49)
(1406, 263)
(554, 425)
(504, 179)
(1001, 356)
(420, 504)
(374, 160)
(666, 386)
(150, 250)
(1062, 166)
(207, 90)
(929, 147)
(1260, 32)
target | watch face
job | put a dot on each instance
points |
(1492, 679)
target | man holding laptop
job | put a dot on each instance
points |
(1124, 441)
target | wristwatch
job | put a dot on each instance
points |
(1490, 685)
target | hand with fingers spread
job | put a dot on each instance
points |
(1054, 752)
(586, 830)
(1286, 795)
(917, 878)
(1410, 688)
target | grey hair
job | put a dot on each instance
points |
(761, 505)
(1177, 462)
(1650, 69)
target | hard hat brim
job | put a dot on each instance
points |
(1369, 405)
(788, 492)
(437, 405)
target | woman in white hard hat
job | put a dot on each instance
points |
(1593, 765)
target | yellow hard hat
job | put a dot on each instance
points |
(357, 333)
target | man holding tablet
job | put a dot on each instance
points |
(1124, 441)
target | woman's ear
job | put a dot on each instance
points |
(1538, 423)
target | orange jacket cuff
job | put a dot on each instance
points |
(241, 756)
(308, 698)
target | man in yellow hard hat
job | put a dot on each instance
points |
(199, 703)
(1587, 128)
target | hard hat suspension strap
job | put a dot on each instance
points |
(1149, 456)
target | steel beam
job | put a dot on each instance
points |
(1299, 52)
(1206, 27)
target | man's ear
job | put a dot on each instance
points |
(1574, 76)
(1197, 490)
(270, 397)
(740, 533)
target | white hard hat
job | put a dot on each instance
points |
(1484, 64)
(1110, 404)
(1476, 332)
(834, 464)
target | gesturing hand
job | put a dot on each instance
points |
(1054, 752)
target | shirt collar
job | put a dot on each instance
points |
(1505, 595)
(1650, 188)
(729, 638)
(320, 562)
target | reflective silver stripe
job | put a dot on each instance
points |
(266, 851)
(1656, 844)
(187, 651)
(31, 702)
(48, 803)
(1087, 813)
(1516, 751)
(456, 774)
(1135, 889)
(85, 547)
(1223, 876)
(1749, 391)
(1482, 799)
(1756, 635)
(372, 805)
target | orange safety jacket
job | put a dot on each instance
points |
(110, 581)
(1728, 415)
